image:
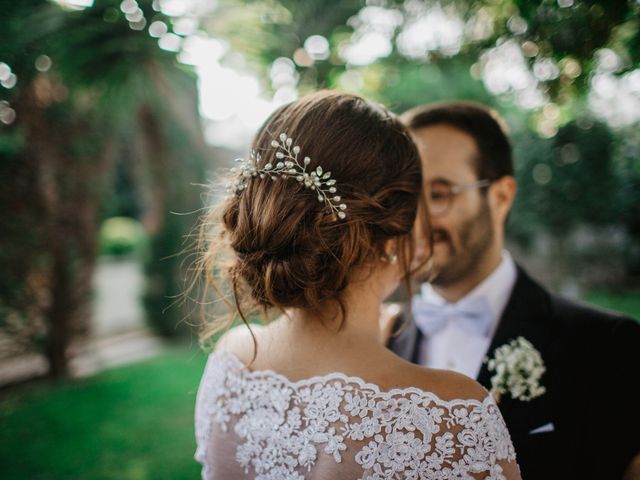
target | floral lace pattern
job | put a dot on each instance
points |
(283, 425)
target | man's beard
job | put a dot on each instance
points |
(475, 237)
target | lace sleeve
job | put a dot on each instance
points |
(424, 437)
(207, 410)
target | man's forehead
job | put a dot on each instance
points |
(445, 151)
(444, 136)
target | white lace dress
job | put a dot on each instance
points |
(260, 425)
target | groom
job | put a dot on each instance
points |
(581, 420)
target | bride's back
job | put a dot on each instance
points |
(293, 416)
(318, 226)
(282, 351)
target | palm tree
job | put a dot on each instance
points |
(102, 92)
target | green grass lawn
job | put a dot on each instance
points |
(627, 302)
(133, 422)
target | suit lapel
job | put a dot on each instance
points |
(526, 315)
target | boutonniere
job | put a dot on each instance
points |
(518, 366)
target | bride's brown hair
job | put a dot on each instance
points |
(277, 246)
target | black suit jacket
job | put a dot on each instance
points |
(592, 360)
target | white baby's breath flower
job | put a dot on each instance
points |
(519, 367)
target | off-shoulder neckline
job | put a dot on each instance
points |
(362, 384)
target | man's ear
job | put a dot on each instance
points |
(502, 194)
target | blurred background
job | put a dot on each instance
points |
(114, 116)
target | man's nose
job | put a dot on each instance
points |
(438, 222)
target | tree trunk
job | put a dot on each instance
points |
(72, 161)
(59, 316)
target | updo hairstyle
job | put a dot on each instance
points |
(285, 249)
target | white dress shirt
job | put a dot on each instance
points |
(454, 348)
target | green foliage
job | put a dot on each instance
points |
(165, 278)
(403, 85)
(625, 301)
(125, 198)
(577, 30)
(628, 166)
(567, 35)
(130, 423)
(121, 236)
(184, 166)
(524, 219)
(568, 180)
(270, 29)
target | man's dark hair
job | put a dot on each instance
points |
(483, 124)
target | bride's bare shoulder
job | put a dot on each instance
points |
(239, 341)
(445, 384)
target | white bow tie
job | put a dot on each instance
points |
(472, 315)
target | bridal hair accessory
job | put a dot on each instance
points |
(288, 165)
(518, 366)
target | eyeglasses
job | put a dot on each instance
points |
(441, 194)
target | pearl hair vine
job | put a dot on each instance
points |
(288, 165)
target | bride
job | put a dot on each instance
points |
(318, 227)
